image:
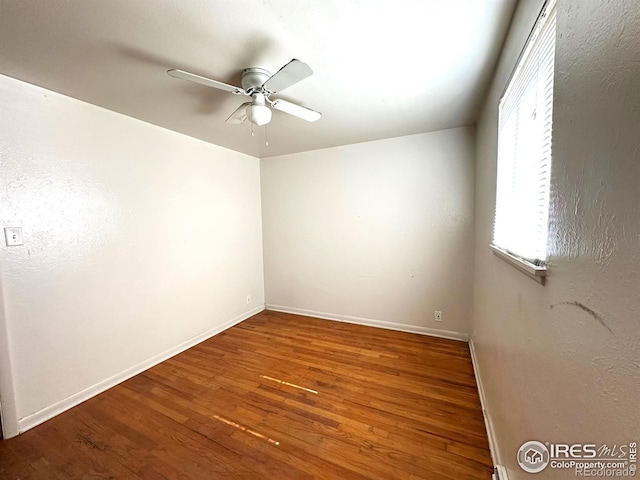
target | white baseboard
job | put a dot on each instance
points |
(434, 332)
(500, 473)
(57, 408)
(493, 444)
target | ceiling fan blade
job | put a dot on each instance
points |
(192, 77)
(290, 74)
(240, 115)
(296, 110)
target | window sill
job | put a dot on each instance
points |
(528, 268)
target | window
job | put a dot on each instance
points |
(524, 149)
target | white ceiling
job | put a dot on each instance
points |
(382, 68)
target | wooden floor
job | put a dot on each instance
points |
(276, 397)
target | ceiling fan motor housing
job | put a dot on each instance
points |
(253, 78)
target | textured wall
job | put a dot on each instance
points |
(137, 239)
(552, 370)
(373, 232)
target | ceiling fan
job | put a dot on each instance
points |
(259, 84)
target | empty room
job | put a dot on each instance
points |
(316, 239)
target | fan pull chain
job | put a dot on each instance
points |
(266, 136)
(252, 134)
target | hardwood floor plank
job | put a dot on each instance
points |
(276, 396)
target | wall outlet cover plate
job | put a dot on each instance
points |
(13, 236)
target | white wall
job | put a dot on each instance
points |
(378, 232)
(138, 242)
(551, 371)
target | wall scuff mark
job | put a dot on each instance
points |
(591, 312)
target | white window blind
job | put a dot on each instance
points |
(524, 147)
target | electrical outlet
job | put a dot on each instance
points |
(248, 299)
(13, 236)
(438, 316)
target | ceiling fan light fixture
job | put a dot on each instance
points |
(259, 84)
(259, 114)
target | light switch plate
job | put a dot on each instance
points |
(13, 236)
